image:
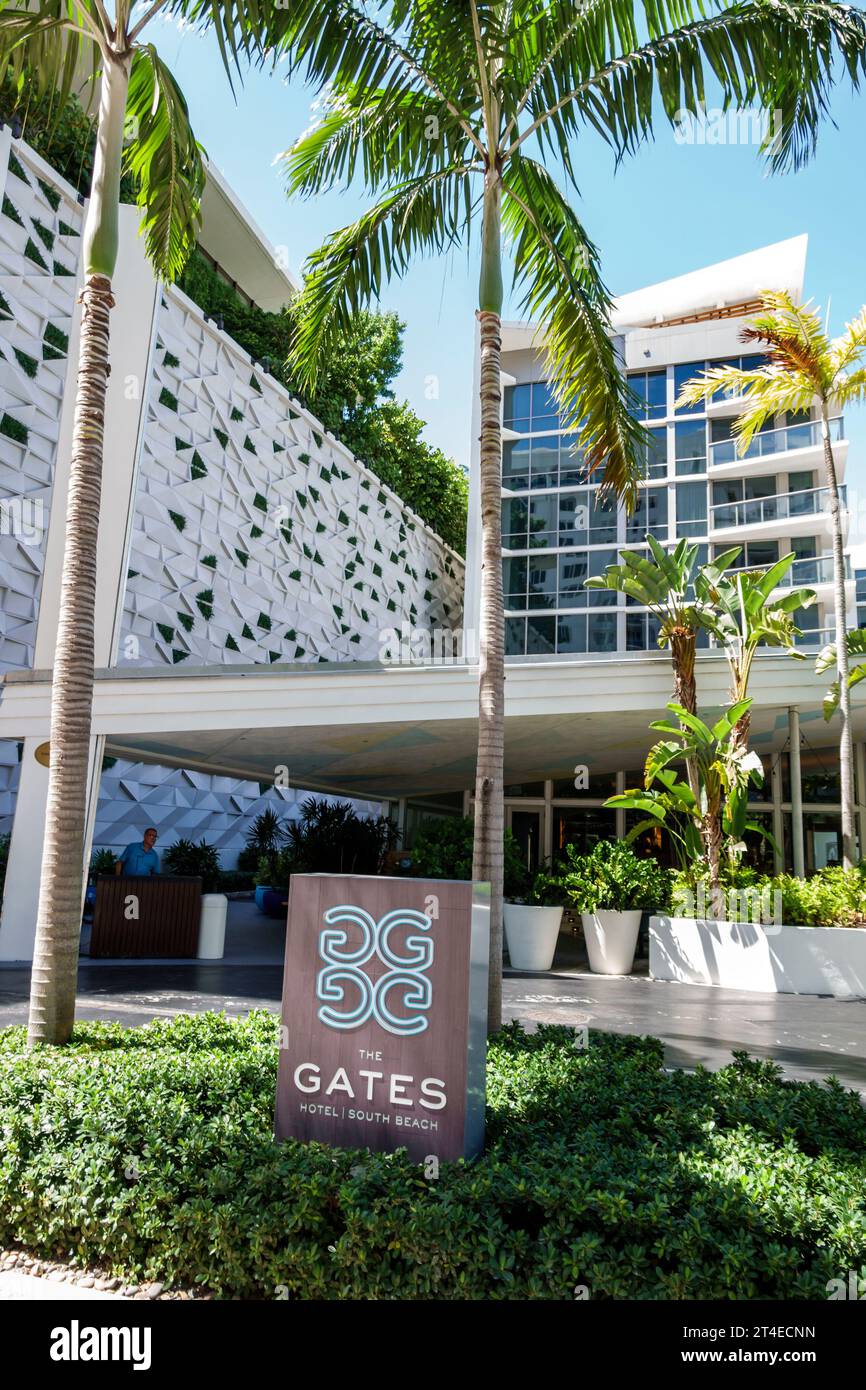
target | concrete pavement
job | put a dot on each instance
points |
(810, 1037)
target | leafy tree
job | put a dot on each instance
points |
(804, 366)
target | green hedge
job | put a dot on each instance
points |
(149, 1151)
(833, 897)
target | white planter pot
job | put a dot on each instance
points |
(611, 940)
(771, 959)
(531, 933)
(212, 926)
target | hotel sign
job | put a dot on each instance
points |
(384, 1014)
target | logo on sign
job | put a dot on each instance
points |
(403, 979)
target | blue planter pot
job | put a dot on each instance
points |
(275, 904)
(260, 895)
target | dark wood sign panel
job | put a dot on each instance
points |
(165, 921)
(384, 1014)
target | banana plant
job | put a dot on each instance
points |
(665, 584)
(740, 611)
(855, 641)
(719, 812)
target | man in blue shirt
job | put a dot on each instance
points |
(139, 860)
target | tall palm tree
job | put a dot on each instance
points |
(451, 113)
(142, 125)
(806, 368)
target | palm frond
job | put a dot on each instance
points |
(51, 50)
(166, 161)
(381, 136)
(428, 213)
(777, 56)
(557, 267)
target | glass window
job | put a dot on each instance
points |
(545, 461)
(542, 581)
(655, 455)
(651, 390)
(684, 372)
(517, 408)
(581, 826)
(598, 563)
(572, 469)
(544, 412)
(600, 786)
(543, 529)
(524, 789)
(514, 574)
(515, 517)
(571, 633)
(691, 509)
(758, 555)
(540, 636)
(601, 632)
(650, 515)
(515, 464)
(602, 520)
(573, 518)
(515, 636)
(573, 570)
(690, 447)
(641, 635)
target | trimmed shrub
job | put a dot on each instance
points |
(149, 1151)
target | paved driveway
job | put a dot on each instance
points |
(811, 1038)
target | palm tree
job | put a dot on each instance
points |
(451, 114)
(142, 125)
(805, 368)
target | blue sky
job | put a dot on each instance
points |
(670, 209)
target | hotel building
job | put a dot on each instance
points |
(249, 566)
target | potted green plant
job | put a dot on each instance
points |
(611, 886)
(532, 923)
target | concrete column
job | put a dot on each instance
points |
(547, 824)
(133, 327)
(796, 794)
(778, 822)
(21, 894)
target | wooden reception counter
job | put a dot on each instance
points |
(156, 916)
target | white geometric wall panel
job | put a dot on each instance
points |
(186, 805)
(257, 537)
(40, 234)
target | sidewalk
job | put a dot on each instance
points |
(810, 1037)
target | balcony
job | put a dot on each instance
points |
(804, 441)
(786, 514)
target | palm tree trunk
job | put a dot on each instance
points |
(846, 749)
(487, 858)
(58, 925)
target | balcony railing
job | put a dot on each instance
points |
(771, 442)
(811, 569)
(755, 510)
(815, 637)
